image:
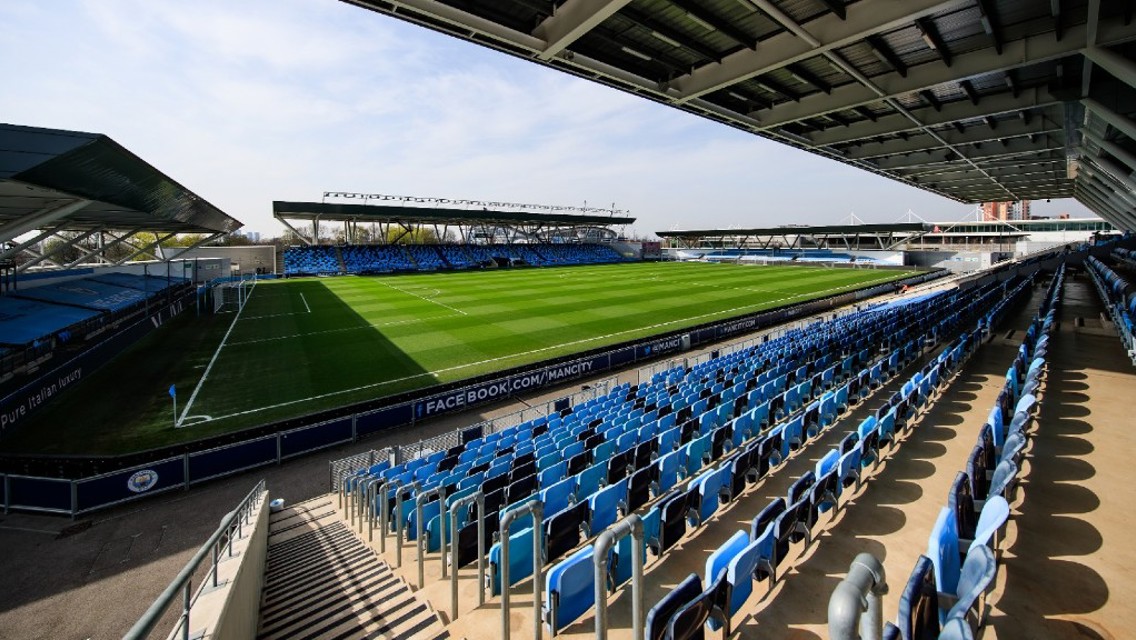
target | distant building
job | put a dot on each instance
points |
(994, 211)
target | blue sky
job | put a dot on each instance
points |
(259, 100)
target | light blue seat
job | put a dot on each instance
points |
(547, 460)
(719, 561)
(668, 440)
(740, 573)
(605, 505)
(603, 452)
(472, 481)
(569, 589)
(558, 496)
(521, 552)
(572, 449)
(943, 549)
(849, 468)
(552, 474)
(693, 454)
(668, 466)
(1001, 484)
(995, 512)
(589, 480)
(620, 561)
(710, 486)
(793, 436)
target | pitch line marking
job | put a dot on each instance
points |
(212, 361)
(383, 383)
(440, 304)
(305, 303)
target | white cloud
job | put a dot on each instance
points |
(260, 100)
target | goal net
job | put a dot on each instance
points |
(229, 297)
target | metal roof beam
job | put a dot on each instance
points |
(1118, 121)
(829, 31)
(886, 55)
(666, 34)
(931, 36)
(39, 219)
(571, 20)
(990, 24)
(971, 135)
(701, 15)
(951, 112)
(1018, 53)
(936, 156)
(1116, 151)
(1115, 64)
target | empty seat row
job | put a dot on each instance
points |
(1119, 297)
(945, 594)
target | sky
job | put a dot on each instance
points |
(259, 100)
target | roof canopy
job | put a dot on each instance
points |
(433, 215)
(976, 100)
(849, 229)
(74, 181)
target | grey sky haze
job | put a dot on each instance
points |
(259, 100)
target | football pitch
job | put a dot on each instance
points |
(304, 345)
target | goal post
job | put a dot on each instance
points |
(230, 297)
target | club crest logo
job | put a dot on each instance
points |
(142, 481)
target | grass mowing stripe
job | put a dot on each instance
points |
(366, 337)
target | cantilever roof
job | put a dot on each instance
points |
(433, 215)
(976, 100)
(848, 229)
(46, 170)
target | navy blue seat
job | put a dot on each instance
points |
(689, 622)
(918, 617)
(563, 530)
(660, 615)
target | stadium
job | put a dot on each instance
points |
(431, 417)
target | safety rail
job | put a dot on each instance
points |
(234, 522)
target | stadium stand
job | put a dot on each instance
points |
(677, 448)
(87, 293)
(147, 283)
(784, 255)
(377, 259)
(24, 320)
(311, 261)
(1119, 297)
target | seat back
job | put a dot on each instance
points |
(588, 481)
(943, 549)
(660, 615)
(562, 530)
(668, 466)
(521, 553)
(639, 488)
(978, 572)
(604, 505)
(960, 501)
(994, 514)
(689, 622)
(570, 589)
(918, 617)
(558, 496)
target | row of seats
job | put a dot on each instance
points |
(1119, 297)
(661, 406)
(758, 553)
(687, 508)
(372, 259)
(945, 594)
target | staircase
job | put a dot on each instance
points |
(339, 259)
(322, 582)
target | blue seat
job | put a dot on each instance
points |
(590, 479)
(605, 505)
(521, 552)
(668, 466)
(849, 469)
(1002, 484)
(793, 436)
(740, 573)
(660, 615)
(694, 453)
(563, 530)
(710, 487)
(943, 549)
(719, 560)
(559, 495)
(569, 589)
(552, 474)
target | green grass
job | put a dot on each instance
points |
(300, 346)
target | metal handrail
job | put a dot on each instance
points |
(234, 520)
(536, 508)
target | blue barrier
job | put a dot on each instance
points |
(223, 461)
(50, 495)
(315, 437)
(368, 423)
(123, 486)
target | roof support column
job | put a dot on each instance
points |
(39, 219)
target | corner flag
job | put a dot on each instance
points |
(173, 391)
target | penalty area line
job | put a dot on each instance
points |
(305, 301)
